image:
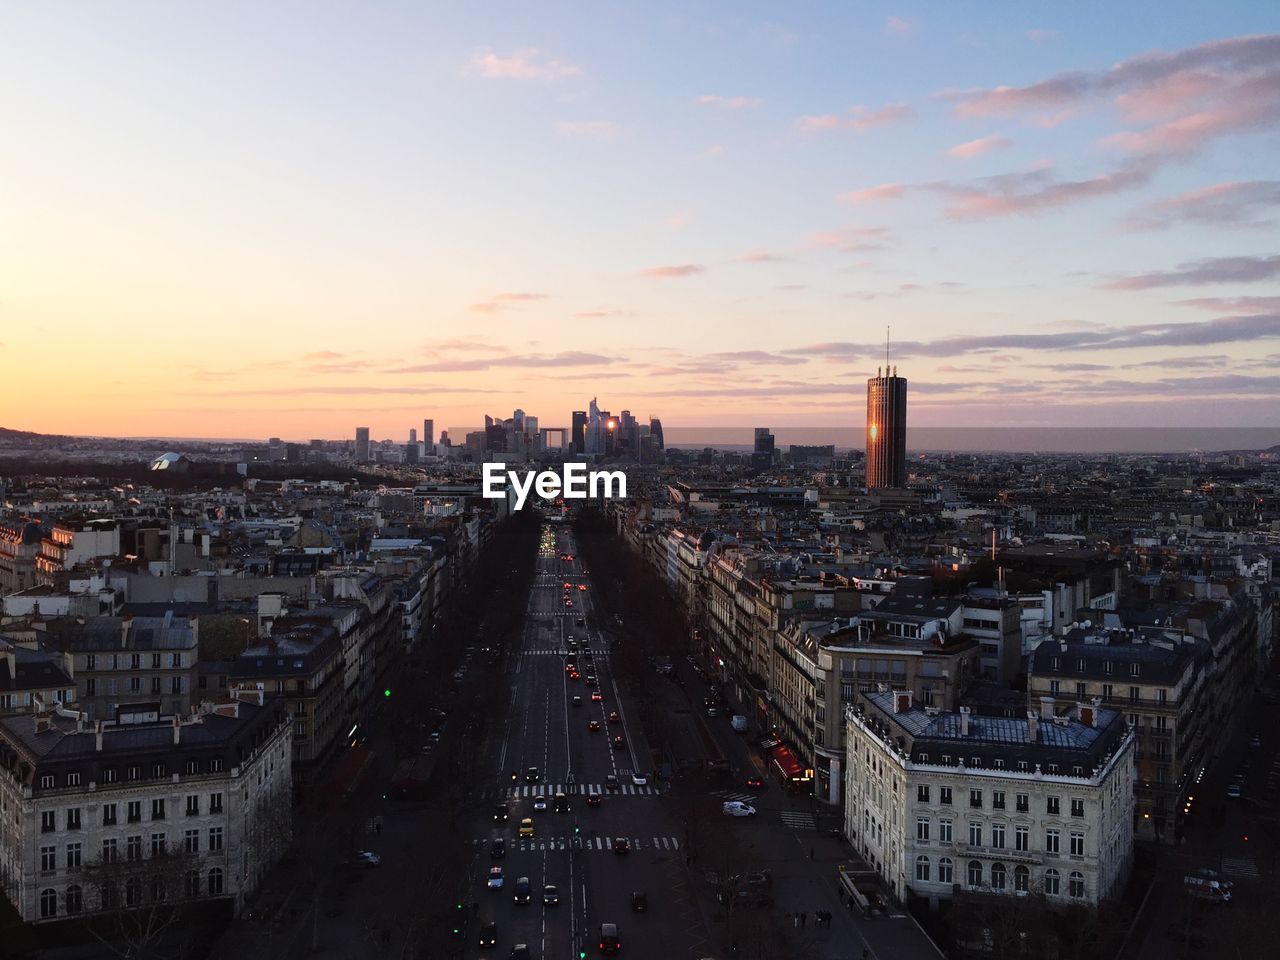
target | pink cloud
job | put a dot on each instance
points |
(760, 256)
(898, 27)
(676, 270)
(728, 103)
(859, 119)
(1238, 204)
(588, 128)
(851, 239)
(976, 148)
(884, 191)
(498, 301)
(529, 64)
(1034, 191)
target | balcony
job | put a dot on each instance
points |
(1005, 854)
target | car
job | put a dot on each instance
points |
(597, 697)
(551, 895)
(526, 827)
(427, 749)
(756, 783)
(500, 813)
(523, 892)
(532, 775)
(582, 586)
(610, 782)
(574, 675)
(1255, 741)
(619, 743)
(367, 859)
(712, 712)
(520, 952)
(591, 681)
(1234, 792)
(561, 803)
(1205, 873)
(621, 845)
(613, 717)
(568, 603)
(496, 878)
(577, 701)
(610, 942)
(594, 799)
(639, 780)
(639, 901)
(488, 934)
(539, 803)
(736, 808)
(498, 848)
(580, 622)
(593, 725)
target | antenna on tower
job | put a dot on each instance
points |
(886, 351)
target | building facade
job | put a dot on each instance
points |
(886, 430)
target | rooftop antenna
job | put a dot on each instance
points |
(886, 351)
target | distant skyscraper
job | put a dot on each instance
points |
(578, 432)
(362, 444)
(655, 431)
(428, 433)
(886, 430)
(413, 435)
(764, 441)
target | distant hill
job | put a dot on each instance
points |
(8, 434)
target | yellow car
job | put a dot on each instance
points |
(526, 827)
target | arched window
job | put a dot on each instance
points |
(48, 903)
(215, 882)
(158, 890)
(133, 891)
(922, 869)
(1075, 885)
(110, 897)
(975, 873)
(945, 872)
(191, 883)
(997, 876)
(1052, 883)
(74, 899)
(1021, 879)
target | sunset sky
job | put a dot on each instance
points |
(247, 219)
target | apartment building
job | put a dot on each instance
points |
(951, 803)
(33, 678)
(96, 815)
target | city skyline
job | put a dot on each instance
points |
(1060, 223)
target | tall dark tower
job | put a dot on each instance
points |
(578, 432)
(886, 430)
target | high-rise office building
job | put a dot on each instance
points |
(655, 431)
(413, 436)
(886, 430)
(362, 444)
(578, 432)
(428, 433)
(764, 441)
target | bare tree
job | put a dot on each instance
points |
(138, 904)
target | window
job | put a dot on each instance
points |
(1080, 690)
(944, 831)
(191, 841)
(922, 793)
(215, 765)
(922, 829)
(133, 891)
(1077, 806)
(155, 661)
(155, 685)
(158, 842)
(215, 882)
(160, 770)
(1077, 844)
(215, 838)
(1075, 885)
(73, 856)
(1107, 667)
(175, 684)
(1054, 688)
(134, 811)
(1021, 879)
(997, 799)
(157, 808)
(135, 661)
(135, 686)
(109, 895)
(191, 883)
(48, 859)
(944, 870)
(134, 772)
(997, 836)
(73, 779)
(48, 903)
(215, 803)
(975, 873)
(1080, 665)
(975, 799)
(1162, 696)
(73, 818)
(193, 805)
(1107, 691)
(133, 849)
(1021, 802)
(159, 892)
(1056, 663)
(944, 794)
(997, 876)
(109, 775)
(175, 660)
(1134, 669)
(74, 899)
(1021, 839)
(109, 850)
(1052, 882)
(47, 781)
(975, 834)
(1053, 805)
(1051, 841)
(108, 814)
(91, 661)
(1135, 694)
(922, 869)
(48, 821)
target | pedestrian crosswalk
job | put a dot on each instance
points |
(740, 797)
(571, 790)
(1240, 867)
(799, 821)
(595, 844)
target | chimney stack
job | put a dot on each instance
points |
(1033, 726)
(125, 626)
(177, 729)
(901, 701)
(97, 735)
(1046, 708)
(964, 721)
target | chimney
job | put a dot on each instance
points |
(42, 723)
(901, 701)
(1046, 708)
(126, 626)
(1033, 726)
(97, 735)
(177, 730)
(1086, 715)
(964, 721)
(1094, 706)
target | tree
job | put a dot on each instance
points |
(138, 905)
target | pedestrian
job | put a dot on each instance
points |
(795, 920)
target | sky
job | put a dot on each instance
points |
(290, 219)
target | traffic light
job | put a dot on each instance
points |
(386, 692)
(576, 829)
